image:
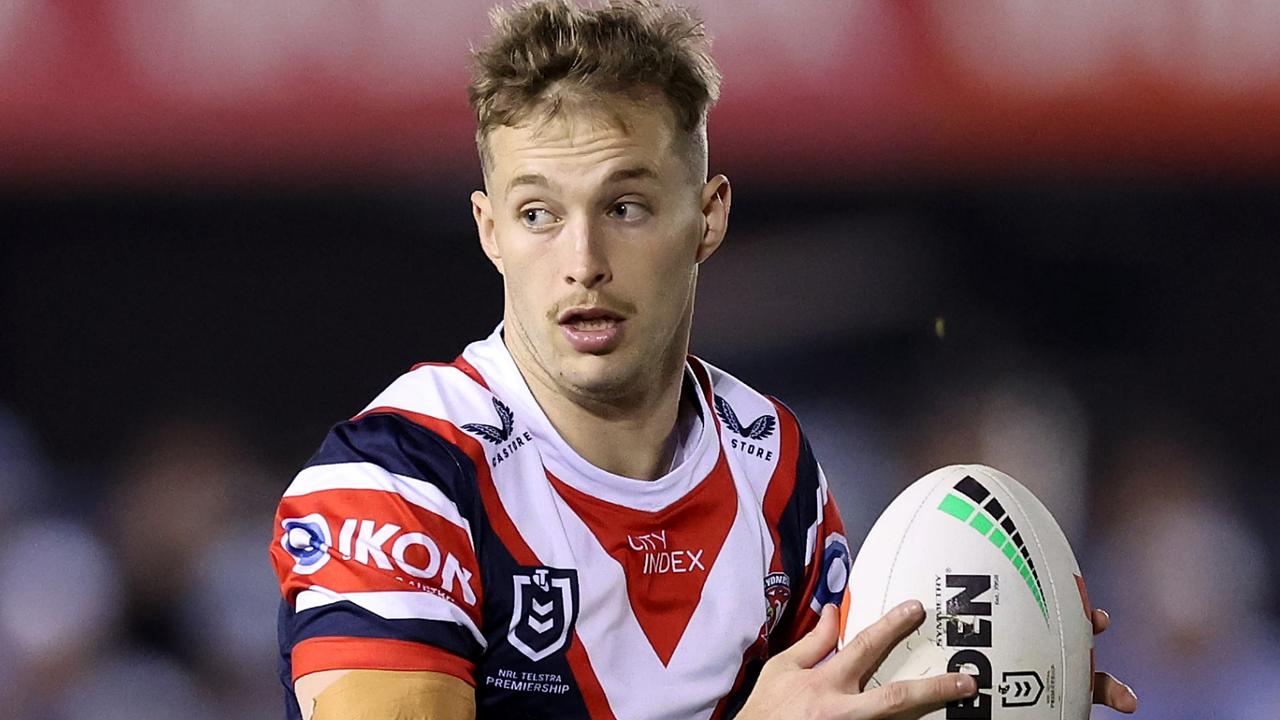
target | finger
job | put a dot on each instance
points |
(912, 698)
(817, 644)
(864, 653)
(1101, 621)
(1114, 694)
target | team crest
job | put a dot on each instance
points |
(759, 429)
(777, 591)
(544, 610)
(491, 433)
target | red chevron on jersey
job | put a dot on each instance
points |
(450, 528)
(665, 555)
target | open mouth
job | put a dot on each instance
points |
(591, 329)
(589, 318)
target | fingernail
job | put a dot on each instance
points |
(966, 685)
(912, 608)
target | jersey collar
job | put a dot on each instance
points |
(493, 360)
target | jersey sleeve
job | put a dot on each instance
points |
(813, 548)
(376, 556)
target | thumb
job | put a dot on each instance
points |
(818, 643)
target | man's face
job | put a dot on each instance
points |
(598, 230)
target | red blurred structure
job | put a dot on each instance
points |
(289, 91)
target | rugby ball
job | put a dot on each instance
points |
(1003, 596)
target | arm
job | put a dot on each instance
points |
(384, 695)
(379, 578)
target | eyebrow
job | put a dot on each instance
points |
(641, 172)
(537, 179)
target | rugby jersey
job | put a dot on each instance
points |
(448, 527)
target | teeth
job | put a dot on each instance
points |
(596, 324)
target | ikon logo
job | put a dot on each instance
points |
(364, 541)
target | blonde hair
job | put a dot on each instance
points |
(547, 54)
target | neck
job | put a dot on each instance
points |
(631, 436)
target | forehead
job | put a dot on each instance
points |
(584, 143)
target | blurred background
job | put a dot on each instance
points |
(1039, 235)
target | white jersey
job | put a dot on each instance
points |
(448, 527)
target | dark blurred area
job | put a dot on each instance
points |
(957, 236)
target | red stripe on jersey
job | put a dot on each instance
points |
(470, 371)
(665, 555)
(592, 693)
(381, 542)
(460, 363)
(494, 510)
(357, 653)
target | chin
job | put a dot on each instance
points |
(602, 376)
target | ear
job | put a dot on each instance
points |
(482, 211)
(716, 198)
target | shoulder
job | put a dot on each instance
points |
(797, 492)
(402, 460)
(423, 427)
(748, 415)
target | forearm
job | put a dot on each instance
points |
(387, 695)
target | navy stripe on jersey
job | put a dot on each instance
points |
(345, 619)
(399, 446)
(754, 660)
(800, 512)
(284, 664)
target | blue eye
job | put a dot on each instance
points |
(628, 211)
(536, 217)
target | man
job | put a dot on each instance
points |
(575, 518)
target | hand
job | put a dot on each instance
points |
(791, 687)
(1106, 689)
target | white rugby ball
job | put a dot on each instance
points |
(1003, 596)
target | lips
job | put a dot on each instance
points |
(591, 329)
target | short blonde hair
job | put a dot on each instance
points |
(547, 53)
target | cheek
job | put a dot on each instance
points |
(669, 281)
(522, 268)
(678, 266)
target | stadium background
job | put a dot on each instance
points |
(1034, 234)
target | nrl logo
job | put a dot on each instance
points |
(543, 611)
(759, 429)
(495, 434)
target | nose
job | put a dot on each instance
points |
(588, 262)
